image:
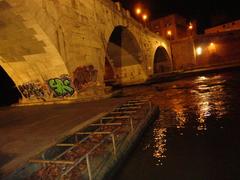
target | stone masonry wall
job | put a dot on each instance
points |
(57, 48)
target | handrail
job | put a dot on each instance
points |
(108, 134)
(88, 153)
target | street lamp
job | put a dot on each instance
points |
(190, 28)
(141, 13)
(144, 18)
(169, 34)
(138, 11)
(199, 50)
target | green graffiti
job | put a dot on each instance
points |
(61, 87)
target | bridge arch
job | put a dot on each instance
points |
(9, 94)
(162, 61)
(123, 50)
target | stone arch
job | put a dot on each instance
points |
(109, 74)
(162, 61)
(9, 94)
(122, 51)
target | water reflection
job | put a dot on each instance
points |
(210, 98)
(159, 144)
(179, 110)
(185, 104)
(203, 105)
(196, 136)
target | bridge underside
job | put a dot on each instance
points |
(162, 61)
(122, 56)
(56, 50)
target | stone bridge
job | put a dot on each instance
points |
(68, 49)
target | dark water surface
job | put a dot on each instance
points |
(197, 136)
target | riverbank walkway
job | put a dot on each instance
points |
(28, 130)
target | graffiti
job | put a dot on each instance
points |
(33, 90)
(84, 76)
(61, 86)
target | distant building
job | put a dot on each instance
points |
(173, 27)
(230, 26)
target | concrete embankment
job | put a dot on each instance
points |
(96, 151)
(175, 75)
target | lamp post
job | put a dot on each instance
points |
(144, 18)
(141, 14)
(169, 34)
(190, 28)
(138, 11)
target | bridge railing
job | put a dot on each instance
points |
(116, 7)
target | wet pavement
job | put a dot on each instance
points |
(197, 134)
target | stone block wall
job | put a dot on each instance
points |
(26, 52)
(183, 54)
(219, 48)
(206, 50)
(45, 43)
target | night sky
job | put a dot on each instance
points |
(207, 12)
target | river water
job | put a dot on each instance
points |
(197, 136)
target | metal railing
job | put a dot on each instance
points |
(125, 113)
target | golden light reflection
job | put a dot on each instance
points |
(220, 107)
(160, 144)
(200, 79)
(207, 89)
(180, 115)
(204, 111)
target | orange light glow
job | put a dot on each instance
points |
(212, 47)
(190, 26)
(169, 32)
(144, 17)
(199, 50)
(138, 11)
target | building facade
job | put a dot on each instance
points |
(230, 26)
(173, 27)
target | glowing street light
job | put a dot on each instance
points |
(212, 44)
(169, 33)
(190, 26)
(199, 51)
(212, 47)
(138, 11)
(144, 17)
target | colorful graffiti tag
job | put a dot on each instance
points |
(84, 76)
(61, 86)
(33, 90)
